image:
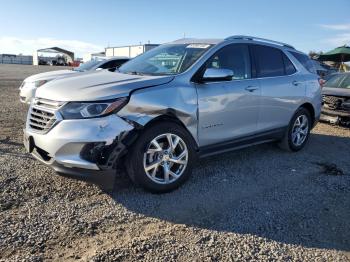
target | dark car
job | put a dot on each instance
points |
(336, 99)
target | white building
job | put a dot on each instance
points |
(128, 51)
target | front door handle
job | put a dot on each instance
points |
(296, 83)
(251, 88)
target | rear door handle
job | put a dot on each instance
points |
(251, 88)
(296, 83)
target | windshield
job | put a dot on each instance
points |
(88, 65)
(346, 82)
(167, 59)
(338, 81)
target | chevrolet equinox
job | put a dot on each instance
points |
(182, 100)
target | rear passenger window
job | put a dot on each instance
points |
(305, 61)
(269, 61)
(235, 57)
(288, 65)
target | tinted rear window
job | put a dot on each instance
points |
(269, 61)
(305, 61)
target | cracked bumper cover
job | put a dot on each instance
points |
(61, 147)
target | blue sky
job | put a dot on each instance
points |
(89, 26)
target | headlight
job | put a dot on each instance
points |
(22, 85)
(78, 110)
(40, 82)
(27, 84)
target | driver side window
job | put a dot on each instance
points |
(234, 57)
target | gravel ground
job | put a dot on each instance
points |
(258, 203)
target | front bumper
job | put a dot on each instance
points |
(61, 147)
(334, 116)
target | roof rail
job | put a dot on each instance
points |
(245, 37)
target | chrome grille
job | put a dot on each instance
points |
(333, 102)
(47, 103)
(42, 115)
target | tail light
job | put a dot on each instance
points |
(321, 82)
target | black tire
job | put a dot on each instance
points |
(286, 143)
(135, 157)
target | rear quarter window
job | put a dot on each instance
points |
(305, 61)
(289, 67)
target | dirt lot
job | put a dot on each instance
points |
(258, 203)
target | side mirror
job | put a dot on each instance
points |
(217, 74)
(112, 69)
(99, 69)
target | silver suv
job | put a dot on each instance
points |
(188, 98)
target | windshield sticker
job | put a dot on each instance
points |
(197, 46)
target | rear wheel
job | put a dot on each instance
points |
(161, 159)
(298, 131)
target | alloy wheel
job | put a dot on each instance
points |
(166, 158)
(300, 130)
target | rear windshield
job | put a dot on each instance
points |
(305, 61)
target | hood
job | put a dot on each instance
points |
(49, 75)
(332, 91)
(97, 85)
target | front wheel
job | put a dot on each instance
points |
(162, 157)
(298, 131)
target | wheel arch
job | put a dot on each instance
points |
(171, 117)
(133, 135)
(308, 106)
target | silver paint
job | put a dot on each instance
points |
(211, 112)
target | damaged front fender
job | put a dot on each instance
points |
(174, 100)
(145, 105)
